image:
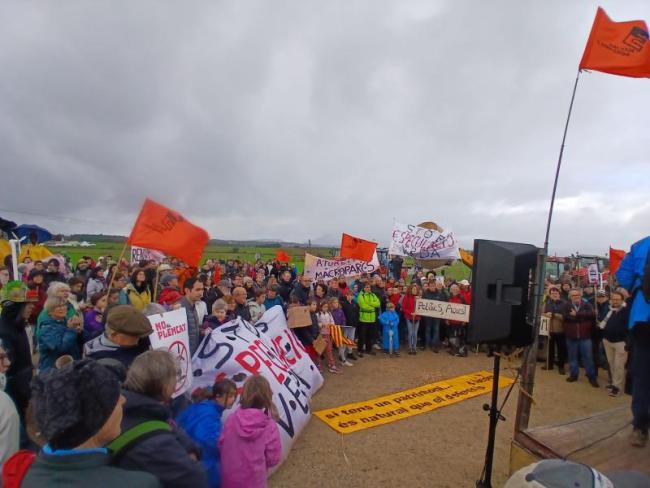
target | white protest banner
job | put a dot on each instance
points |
(238, 349)
(325, 269)
(142, 253)
(594, 275)
(170, 333)
(420, 243)
(442, 310)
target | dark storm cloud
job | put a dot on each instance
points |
(300, 120)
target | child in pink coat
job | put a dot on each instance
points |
(250, 440)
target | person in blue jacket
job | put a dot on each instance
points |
(634, 275)
(389, 321)
(56, 337)
(202, 422)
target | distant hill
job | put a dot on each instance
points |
(216, 242)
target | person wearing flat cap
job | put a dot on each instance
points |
(78, 410)
(124, 337)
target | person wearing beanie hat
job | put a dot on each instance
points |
(124, 338)
(170, 292)
(78, 410)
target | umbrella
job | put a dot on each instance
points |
(7, 225)
(25, 230)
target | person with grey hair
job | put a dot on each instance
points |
(149, 441)
(57, 336)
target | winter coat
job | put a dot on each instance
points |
(284, 290)
(272, 302)
(243, 311)
(169, 295)
(193, 324)
(339, 316)
(408, 307)
(388, 319)
(556, 309)
(630, 276)
(456, 299)
(83, 468)
(16, 343)
(202, 422)
(616, 326)
(368, 305)
(56, 339)
(579, 326)
(211, 322)
(138, 299)
(94, 285)
(351, 311)
(301, 293)
(249, 446)
(102, 347)
(92, 326)
(256, 310)
(165, 455)
(9, 427)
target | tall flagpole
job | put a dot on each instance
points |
(528, 367)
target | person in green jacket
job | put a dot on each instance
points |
(368, 304)
(78, 409)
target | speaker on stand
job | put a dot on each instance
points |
(501, 313)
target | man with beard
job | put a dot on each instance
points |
(285, 286)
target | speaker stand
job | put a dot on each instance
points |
(495, 416)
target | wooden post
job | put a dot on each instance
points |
(119, 261)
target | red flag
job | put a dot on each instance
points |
(163, 229)
(282, 256)
(356, 248)
(618, 48)
(615, 258)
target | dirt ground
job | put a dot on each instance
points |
(442, 448)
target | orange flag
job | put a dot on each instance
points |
(466, 257)
(163, 229)
(282, 256)
(356, 248)
(615, 258)
(618, 48)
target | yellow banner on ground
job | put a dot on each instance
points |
(397, 406)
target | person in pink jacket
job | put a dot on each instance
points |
(250, 440)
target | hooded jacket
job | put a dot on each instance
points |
(249, 445)
(139, 299)
(202, 422)
(630, 276)
(102, 347)
(16, 342)
(368, 305)
(165, 455)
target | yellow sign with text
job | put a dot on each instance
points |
(397, 406)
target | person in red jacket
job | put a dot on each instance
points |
(465, 291)
(412, 320)
(579, 319)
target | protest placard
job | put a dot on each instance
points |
(442, 310)
(544, 324)
(142, 253)
(421, 243)
(397, 406)
(170, 333)
(317, 268)
(298, 317)
(238, 349)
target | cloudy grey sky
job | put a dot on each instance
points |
(302, 119)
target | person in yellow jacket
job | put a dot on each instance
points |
(138, 291)
(368, 305)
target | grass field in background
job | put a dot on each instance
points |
(457, 270)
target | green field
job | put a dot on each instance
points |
(457, 270)
(242, 253)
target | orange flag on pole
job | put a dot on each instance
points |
(165, 230)
(282, 256)
(617, 48)
(615, 258)
(356, 248)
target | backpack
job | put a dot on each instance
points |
(135, 435)
(15, 468)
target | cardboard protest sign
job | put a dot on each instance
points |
(238, 349)
(325, 269)
(298, 317)
(544, 325)
(593, 274)
(170, 333)
(397, 406)
(421, 243)
(442, 310)
(142, 253)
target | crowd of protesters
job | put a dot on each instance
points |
(99, 397)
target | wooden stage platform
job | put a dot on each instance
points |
(600, 440)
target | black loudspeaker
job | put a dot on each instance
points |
(501, 309)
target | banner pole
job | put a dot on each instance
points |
(524, 401)
(119, 262)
